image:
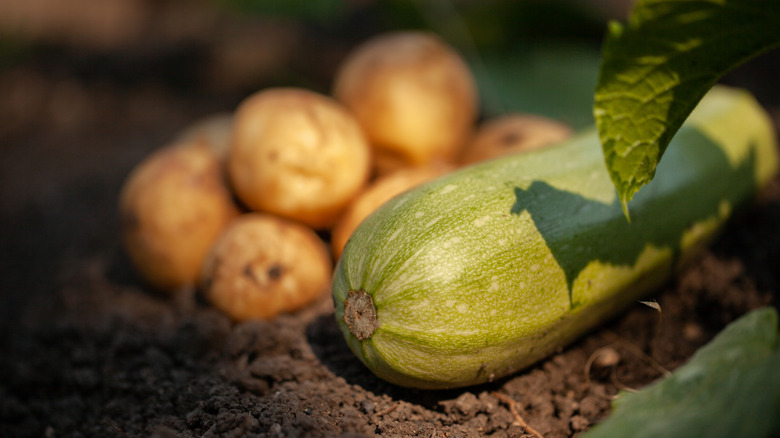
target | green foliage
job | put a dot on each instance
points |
(550, 79)
(657, 67)
(729, 388)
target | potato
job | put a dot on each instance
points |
(172, 208)
(413, 95)
(379, 192)
(297, 154)
(265, 265)
(512, 133)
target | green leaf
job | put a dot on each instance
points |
(729, 388)
(657, 67)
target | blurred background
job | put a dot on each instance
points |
(227, 48)
(90, 87)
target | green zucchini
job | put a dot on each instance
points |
(487, 270)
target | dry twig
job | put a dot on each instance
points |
(518, 418)
(612, 359)
(646, 358)
(110, 424)
(391, 408)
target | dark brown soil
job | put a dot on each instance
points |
(88, 350)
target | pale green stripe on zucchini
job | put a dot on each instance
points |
(487, 270)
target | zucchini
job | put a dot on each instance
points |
(489, 269)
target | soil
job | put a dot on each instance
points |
(89, 350)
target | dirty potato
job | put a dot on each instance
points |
(172, 208)
(512, 133)
(376, 194)
(265, 265)
(297, 154)
(414, 96)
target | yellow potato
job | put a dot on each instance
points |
(379, 192)
(511, 134)
(172, 207)
(413, 95)
(265, 265)
(297, 154)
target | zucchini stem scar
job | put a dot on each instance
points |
(360, 314)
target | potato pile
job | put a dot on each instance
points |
(237, 204)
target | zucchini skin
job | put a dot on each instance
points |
(485, 271)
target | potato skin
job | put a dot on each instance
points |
(377, 193)
(297, 154)
(413, 95)
(263, 266)
(172, 208)
(512, 133)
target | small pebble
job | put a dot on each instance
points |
(579, 423)
(606, 357)
(692, 331)
(367, 406)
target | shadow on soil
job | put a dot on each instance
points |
(328, 344)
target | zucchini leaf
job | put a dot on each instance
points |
(657, 67)
(729, 388)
